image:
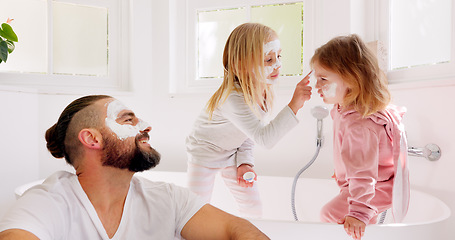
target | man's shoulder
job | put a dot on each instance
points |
(55, 183)
(161, 190)
(42, 206)
(141, 183)
(167, 197)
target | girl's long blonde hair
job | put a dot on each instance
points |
(349, 57)
(243, 61)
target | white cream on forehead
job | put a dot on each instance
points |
(126, 130)
(274, 45)
(330, 90)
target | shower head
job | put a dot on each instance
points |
(319, 112)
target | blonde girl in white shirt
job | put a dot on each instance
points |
(224, 134)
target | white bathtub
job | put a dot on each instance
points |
(425, 219)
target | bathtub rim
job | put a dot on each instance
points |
(447, 212)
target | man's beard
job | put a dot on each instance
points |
(124, 155)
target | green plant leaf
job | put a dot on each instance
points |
(3, 51)
(11, 46)
(8, 33)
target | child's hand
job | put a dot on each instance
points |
(242, 169)
(302, 93)
(353, 227)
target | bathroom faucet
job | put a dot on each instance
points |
(431, 152)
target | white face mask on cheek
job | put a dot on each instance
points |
(330, 90)
(272, 46)
(122, 131)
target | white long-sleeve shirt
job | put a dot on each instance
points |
(228, 138)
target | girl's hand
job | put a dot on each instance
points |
(302, 93)
(242, 169)
(353, 227)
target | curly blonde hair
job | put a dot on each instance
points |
(349, 57)
(243, 61)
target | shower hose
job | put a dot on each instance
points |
(296, 178)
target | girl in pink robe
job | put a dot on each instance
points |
(369, 144)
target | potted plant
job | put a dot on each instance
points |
(7, 39)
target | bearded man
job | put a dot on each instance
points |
(107, 144)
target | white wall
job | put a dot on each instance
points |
(429, 119)
(18, 141)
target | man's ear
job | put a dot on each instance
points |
(90, 138)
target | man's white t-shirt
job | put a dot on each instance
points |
(60, 209)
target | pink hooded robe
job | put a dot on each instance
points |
(370, 166)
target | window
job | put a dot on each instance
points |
(66, 44)
(420, 39)
(214, 27)
(208, 26)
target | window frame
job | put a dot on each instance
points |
(441, 72)
(182, 69)
(118, 57)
